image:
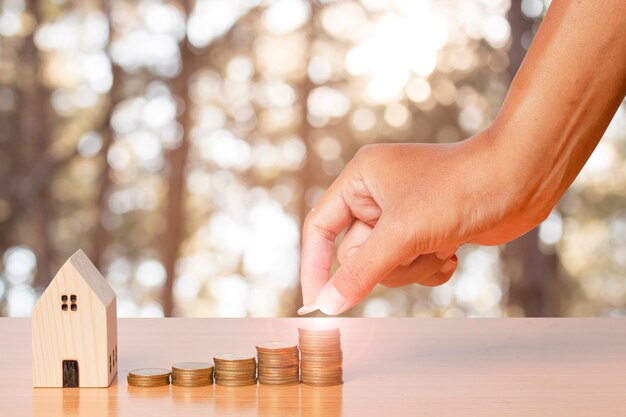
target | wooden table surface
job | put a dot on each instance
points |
(393, 367)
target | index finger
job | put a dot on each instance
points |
(321, 227)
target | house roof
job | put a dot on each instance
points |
(90, 274)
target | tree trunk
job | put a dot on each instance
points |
(175, 225)
(34, 137)
(99, 235)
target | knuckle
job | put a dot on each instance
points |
(439, 278)
(312, 226)
(543, 215)
(442, 279)
(393, 283)
(354, 279)
(342, 257)
(365, 151)
(365, 155)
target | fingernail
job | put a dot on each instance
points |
(351, 252)
(307, 309)
(446, 253)
(330, 301)
(448, 266)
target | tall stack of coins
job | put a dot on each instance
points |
(192, 374)
(321, 356)
(278, 363)
(149, 377)
(235, 370)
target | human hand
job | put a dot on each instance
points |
(403, 203)
(406, 208)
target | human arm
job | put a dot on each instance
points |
(404, 203)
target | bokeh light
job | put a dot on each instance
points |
(182, 149)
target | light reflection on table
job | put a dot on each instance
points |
(262, 400)
(392, 367)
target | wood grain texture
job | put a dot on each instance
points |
(75, 319)
(393, 367)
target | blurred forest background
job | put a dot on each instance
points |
(181, 143)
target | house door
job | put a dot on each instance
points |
(70, 374)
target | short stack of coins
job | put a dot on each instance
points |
(149, 377)
(278, 363)
(192, 374)
(235, 370)
(321, 356)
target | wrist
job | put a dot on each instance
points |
(512, 178)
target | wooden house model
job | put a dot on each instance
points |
(74, 329)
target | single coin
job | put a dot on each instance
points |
(286, 382)
(276, 346)
(183, 383)
(323, 384)
(233, 357)
(311, 328)
(241, 383)
(149, 373)
(192, 366)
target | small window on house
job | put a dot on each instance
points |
(72, 299)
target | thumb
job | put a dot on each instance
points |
(380, 254)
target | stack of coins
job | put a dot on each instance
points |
(235, 370)
(321, 356)
(192, 374)
(278, 363)
(149, 377)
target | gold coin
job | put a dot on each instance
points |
(148, 377)
(235, 370)
(313, 328)
(229, 357)
(149, 373)
(323, 384)
(286, 382)
(279, 375)
(276, 347)
(285, 361)
(147, 381)
(180, 383)
(231, 365)
(322, 355)
(322, 359)
(148, 384)
(235, 376)
(192, 376)
(241, 383)
(192, 366)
